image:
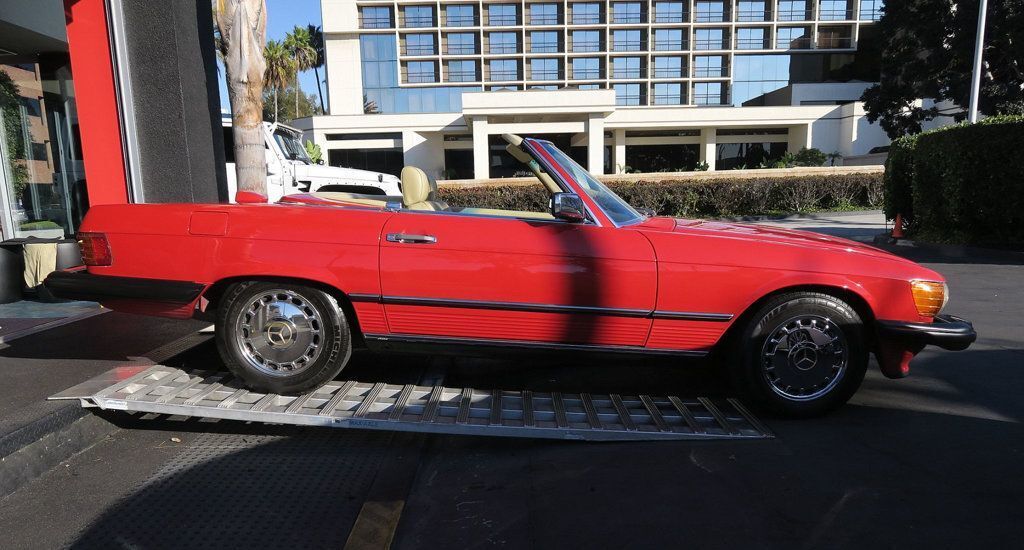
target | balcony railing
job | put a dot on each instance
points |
(459, 20)
(585, 45)
(798, 43)
(751, 43)
(501, 20)
(420, 77)
(545, 74)
(753, 15)
(711, 72)
(628, 73)
(544, 19)
(672, 45)
(627, 18)
(585, 18)
(376, 22)
(628, 99)
(670, 16)
(669, 72)
(461, 49)
(544, 47)
(627, 45)
(669, 99)
(711, 16)
(718, 98)
(502, 48)
(503, 75)
(419, 49)
(843, 14)
(710, 44)
(415, 21)
(586, 74)
(871, 12)
(795, 15)
(462, 76)
(834, 42)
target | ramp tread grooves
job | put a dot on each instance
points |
(368, 400)
(400, 403)
(688, 417)
(620, 408)
(464, 405)
(754, 422)
(717, 415)
(433, 402)
(655, 414)
(495, 417)
(432, 409)
(558, 404)
(336, 400)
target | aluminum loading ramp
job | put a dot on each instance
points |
(428, 409)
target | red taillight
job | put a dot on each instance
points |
(95, 248)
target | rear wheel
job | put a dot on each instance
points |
(282, 338)
(802, 354)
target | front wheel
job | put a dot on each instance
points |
(282, 338)
(802, 354)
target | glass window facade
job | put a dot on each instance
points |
(709, 66)
(380, 82)
(503, 70)
(503, 14)
(503, 42)
(544, 41)
(730, 156)
(669, 12)
(461, 43)
(709, 11)
(751, 39)
(709, 93)
(462, 70)
(793, 10)
(586, 41)
(871, 10)
(375, 17)
(545, 69)
(418, 16)
(421, 72)
(792, 38)
(835, 10)
(669, 40)
(420, 44)
(626, 40)
(626, 67)
(709, 39)
(543, 14)
(668, 93)
(627, 12)
(756, 75)
(460, 15)
(586, 68)
(753, 10)
(669, 67)
(627, 94)
(586, 13)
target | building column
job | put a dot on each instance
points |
(799, 137)
(619, 158)
(481, 150)
(595, 144)
(708, 147)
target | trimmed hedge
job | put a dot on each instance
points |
(961, 183)
(702, 197)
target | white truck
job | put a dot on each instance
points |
(290, 170)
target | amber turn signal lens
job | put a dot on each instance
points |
(929, 297)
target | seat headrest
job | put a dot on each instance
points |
(416, 186)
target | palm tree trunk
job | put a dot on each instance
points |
(319, 90)
(243, 28)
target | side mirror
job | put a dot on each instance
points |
(568, 207)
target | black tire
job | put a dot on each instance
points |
(319, 336)
(787, 359)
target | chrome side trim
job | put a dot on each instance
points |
(524, 344)
(514, 306)
(357, 297)
(693, 316)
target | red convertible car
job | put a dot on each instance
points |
(295, 285)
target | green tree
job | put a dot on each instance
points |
(280, 67)
(928, 52)
(10, 111)
(303, 54)
(316, 41)
(285, 110)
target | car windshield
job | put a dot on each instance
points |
(291, 146)
(617, 209)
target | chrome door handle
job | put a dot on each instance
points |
(411, 239)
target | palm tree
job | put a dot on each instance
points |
(279, 68)
(297, 43)
(242, 27)
(316, 41)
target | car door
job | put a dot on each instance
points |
(478, 277)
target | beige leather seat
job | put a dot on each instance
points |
(419, 191)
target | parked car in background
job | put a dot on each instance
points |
(290, 170)
(295, 286)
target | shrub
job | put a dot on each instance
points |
(702, 197)
(962, 183)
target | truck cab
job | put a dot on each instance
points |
(290, 170)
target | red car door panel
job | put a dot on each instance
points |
(515, 279)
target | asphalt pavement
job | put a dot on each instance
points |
(933, 460)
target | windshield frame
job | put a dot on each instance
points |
(285, 139)
(568, 168)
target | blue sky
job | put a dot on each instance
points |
(282, 17)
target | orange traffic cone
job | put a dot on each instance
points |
(897, 227)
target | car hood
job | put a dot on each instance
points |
(763, 233)
(325, 171)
